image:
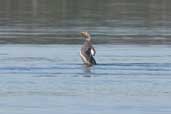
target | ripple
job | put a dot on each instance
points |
(120, 69)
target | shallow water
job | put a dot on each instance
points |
(52, 79)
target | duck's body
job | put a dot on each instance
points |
(87, 50)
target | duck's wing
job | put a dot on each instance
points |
(86, 52)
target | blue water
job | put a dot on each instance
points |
(129, 79)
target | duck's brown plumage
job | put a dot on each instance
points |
(85, 53)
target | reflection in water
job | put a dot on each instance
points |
(57, 21)
(87, 71)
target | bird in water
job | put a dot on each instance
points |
(87, 50)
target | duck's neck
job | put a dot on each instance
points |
(88, 39)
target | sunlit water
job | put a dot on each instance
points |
(51, 79)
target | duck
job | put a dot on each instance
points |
(87, 51)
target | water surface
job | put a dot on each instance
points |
(54, 21)
(52, 79)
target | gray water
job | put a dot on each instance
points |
(60, 21)
(51, 79)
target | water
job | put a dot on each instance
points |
(54, 21)
(52, 79)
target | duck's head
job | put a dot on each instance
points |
(86, 35)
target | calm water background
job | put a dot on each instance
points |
(51, 79)
(60, 21)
